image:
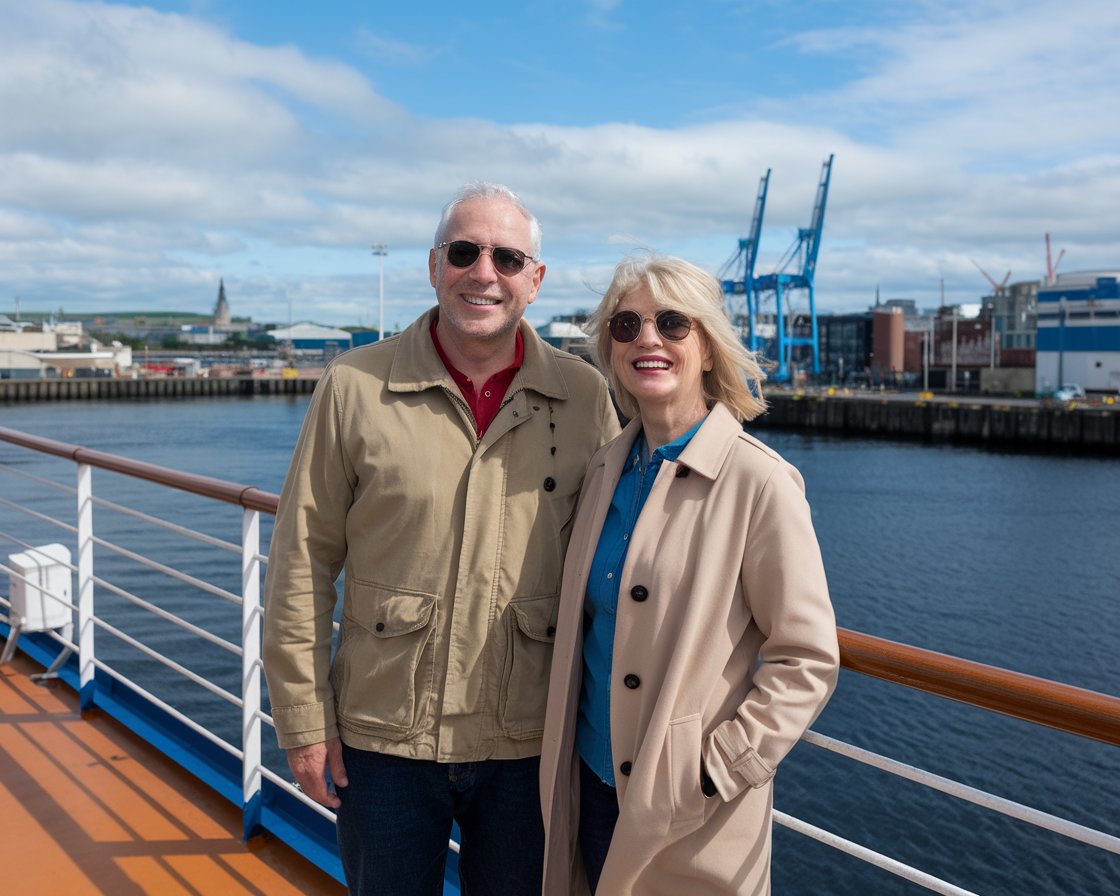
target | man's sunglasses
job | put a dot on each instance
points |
(463, 253)
(626, 326)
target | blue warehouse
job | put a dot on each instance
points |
(1079, 332)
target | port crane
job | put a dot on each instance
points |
(998, 288)
(802, 258)
(737, 274)
(1052, 269)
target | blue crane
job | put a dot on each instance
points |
(803, 251)
(738, 279)
(737, 274)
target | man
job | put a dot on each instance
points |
(440, 468)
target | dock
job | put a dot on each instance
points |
(97, 388)
(1078, 427)
(1081, 426)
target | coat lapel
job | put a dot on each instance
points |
(598, 487)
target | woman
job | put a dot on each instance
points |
(695, 640)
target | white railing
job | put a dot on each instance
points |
(1099, 715)
(91, 627)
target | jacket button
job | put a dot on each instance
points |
(682, 472)
(626, 768)
(549, 484)
(639, 593)
(631, 681)
(550, 631)
(380, 626)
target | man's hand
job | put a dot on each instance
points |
(310, 766)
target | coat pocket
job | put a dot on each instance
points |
(530, 633)
(684, 746)
(382, 673)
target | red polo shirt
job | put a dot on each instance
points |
(485, 402)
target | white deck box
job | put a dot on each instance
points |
(47, 571)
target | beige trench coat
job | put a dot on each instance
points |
(725, 621)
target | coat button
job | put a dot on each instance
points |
(639, 593)
(682, 472)
(549, 484)
(550, 631)
(626, 768)
(380, 626)
(631, 681)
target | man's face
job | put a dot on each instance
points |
(479, 302)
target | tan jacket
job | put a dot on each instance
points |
(452, 548)
(725, 650)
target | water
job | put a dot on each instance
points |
(1011, 559)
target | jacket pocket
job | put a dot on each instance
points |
(684, 746)
(530, 632)
(382, 673)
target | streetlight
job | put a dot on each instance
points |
(380, 250)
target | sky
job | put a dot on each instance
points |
(150, 150)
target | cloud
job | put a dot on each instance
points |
(982, 81)
(599, 13)
(144, 155)
(393, 52)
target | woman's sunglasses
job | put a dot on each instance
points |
(463, 253)
(626, 326)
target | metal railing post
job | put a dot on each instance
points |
(87, 697)
(250, 671)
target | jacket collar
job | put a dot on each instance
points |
(705, 453)
(417, 365)
(708, 450)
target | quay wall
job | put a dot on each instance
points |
(1038, 424)
(1031, 424)
(89, 388)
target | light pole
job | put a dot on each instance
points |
(925, 358)
(1061, 342)
(953, 375)
(380, 250)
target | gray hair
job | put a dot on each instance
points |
(485, 190)
(736, 375)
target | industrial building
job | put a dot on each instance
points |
(1079, 332)
(311, 338)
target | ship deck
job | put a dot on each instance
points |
(88, 807)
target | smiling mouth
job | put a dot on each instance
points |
(481, 300)
(652, 365)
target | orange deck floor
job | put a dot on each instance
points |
(87, 807)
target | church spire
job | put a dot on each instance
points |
(221, 310)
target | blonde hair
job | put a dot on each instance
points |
(736, 375)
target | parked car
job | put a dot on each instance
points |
(1069, 392)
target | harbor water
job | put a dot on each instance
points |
(1006, 558)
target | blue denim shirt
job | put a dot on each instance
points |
(593, 730)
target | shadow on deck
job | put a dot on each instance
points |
(87, 807)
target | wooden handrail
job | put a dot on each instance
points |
(1061, 706)
(218, 489)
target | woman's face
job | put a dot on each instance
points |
(663, 375)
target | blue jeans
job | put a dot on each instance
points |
(598, 813)
(396, 816)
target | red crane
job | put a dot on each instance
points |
(1052, 269)
(998, 287)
